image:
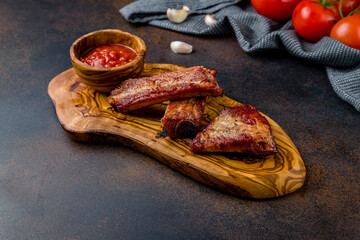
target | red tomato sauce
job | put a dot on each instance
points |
(112, 55)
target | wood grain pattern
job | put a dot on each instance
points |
(86, 116)
(106, 79)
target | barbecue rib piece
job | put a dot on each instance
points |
(133, 94)
(182, 118)
(237, 129)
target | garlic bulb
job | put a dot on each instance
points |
(181, 47)
(178, 16)
(210, 19)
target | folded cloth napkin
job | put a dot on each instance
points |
(256, 33)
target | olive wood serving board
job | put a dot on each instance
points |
(86, 116)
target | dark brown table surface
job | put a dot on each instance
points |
(54, 188)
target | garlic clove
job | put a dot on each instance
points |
(178, 16)
(210, 19)
(181, 47)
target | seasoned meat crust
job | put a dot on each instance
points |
(182, 118)
(237, 129)
(136, 93)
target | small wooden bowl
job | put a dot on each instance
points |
(104, 79)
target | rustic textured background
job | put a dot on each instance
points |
(54, 188)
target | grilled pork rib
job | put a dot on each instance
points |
(136, 93)
(237, 129)
(182, 118)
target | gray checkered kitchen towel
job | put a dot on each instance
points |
(256, 33)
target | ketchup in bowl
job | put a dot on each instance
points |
(112, 55)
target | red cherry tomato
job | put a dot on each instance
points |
(312, 20)
(347, 31)
(347, 6)
(278, 10)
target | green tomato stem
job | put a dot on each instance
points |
(340, 9)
